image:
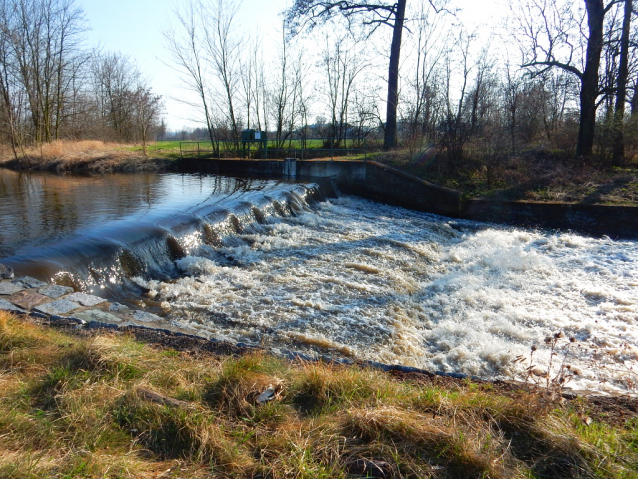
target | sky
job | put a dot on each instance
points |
(135, 28)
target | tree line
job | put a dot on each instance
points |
(53, 87)
(560, 76)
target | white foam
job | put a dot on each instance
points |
(398, 286)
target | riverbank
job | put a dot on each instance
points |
(538, 176)
(89, 157)
(110, 404)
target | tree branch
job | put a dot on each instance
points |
(554, 63)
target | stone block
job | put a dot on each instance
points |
(29, 282)
(57, 307)
(98, 316)
(65, 320)
(84, 299)
(7, 306)
(55, 291)
(8, 288)
(28, 299)
(145, 317)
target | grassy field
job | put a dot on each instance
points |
(106, 406)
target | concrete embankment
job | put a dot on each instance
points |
(379, 182)
(368, 179)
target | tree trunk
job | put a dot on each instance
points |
(589, 79)
(618, 152)
(390, 140)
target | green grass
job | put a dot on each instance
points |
(76, 406)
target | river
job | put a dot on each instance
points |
(277, 264)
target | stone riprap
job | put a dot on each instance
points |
(62, 305)
(7, 288)
(86, 299)
(58, 307)
(55, 291)
(6, 272)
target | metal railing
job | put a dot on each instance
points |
(306, 148)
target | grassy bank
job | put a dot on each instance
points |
(105, 405)
(91, 156)
(536, 175)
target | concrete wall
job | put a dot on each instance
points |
(399, 188)
(379, 182)
(598, 220)
(261, 168)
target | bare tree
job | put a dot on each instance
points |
(184, 41)
(147, 108)
(424, 109)
(9, 105)
(47, 39)
(618, 153)
(115, 78)
(373, 13)
(342, 64)
(223, 50)
(553, 34)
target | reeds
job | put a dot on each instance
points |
(86, 155)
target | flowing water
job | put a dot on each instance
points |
(272, 263)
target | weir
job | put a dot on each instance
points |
(379, 182)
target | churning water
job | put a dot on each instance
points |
(282, 267)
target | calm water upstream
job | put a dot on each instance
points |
(273, 263)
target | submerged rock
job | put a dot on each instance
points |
(145, 317)
(118, 307)
(6, 272)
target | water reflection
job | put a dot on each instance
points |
(40, 208)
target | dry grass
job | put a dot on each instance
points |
(76, 406)
(538, 175)
(88, 155)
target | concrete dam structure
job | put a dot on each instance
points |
(378, 182)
